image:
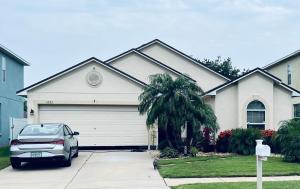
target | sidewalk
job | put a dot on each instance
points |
(181, 181)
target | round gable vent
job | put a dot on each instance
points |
(94, 78)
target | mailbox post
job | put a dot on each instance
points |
(262, 152)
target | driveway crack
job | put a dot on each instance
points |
(77, 172)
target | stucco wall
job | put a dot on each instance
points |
(205, 78)
(280, 71)
(231, 102)
(11, 105)
(140, 67)
(226, 108)
(72, 88)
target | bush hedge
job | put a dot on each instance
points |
(222, 144)
(169, 153)
(288, 138)
(243, 141)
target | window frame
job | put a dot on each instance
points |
(3, 69)
(289, 74)
(295, 110)
(256, 110)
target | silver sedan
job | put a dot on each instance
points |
(44, 142)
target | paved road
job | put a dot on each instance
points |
(91, 170)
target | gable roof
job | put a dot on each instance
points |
(283, 59)
(22, 91)
(157, 41)
(11, 54)
(263, 72)
(139, 53)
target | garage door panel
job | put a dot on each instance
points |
(100, 125)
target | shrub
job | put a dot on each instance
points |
(169, 153)
(162, 144)
(208, 141)
(288, 136)
(194, 151)
(268, 137)
(243, 141)
(222, 144)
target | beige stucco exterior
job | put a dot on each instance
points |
(205, 78)
(140, 67)
(119, 88)
(72, 88)
(231, 102)
(280, 70)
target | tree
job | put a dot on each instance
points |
(172, 104)
(223, 66)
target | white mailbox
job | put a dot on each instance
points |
(262, 150)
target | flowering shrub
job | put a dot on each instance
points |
(208, 141)
(269, 139)
(268, 133)
(223, 141)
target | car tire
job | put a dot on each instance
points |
(15, 164)
(77, 151)
(68, 162)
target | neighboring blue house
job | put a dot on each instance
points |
(11, 80)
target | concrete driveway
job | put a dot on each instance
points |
(91, 170)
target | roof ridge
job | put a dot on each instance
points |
(182, 54)
(77, 65)
(148, 57)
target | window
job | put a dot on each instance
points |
(289, 72)
(3, 69)
(256, 115)
(297, 110)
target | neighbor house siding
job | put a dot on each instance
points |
(11, 104)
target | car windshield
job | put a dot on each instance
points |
(41, 129)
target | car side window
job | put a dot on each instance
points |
(70, 131)
(66, 132)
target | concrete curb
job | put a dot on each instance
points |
(181, 181)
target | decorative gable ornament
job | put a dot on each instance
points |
(94, 78)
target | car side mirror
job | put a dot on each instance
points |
(76, 133)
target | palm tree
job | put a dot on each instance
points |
(173, 103)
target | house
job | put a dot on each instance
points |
(11, 80)
(100, 99)
(288, 70)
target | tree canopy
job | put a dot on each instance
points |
(173, 103)
(223, 66)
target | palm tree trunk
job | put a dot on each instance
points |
(167, 136)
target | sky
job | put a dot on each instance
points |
(55, 34)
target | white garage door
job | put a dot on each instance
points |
(100, 125)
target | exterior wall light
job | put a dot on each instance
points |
(32, 112)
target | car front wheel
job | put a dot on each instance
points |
(15, 164)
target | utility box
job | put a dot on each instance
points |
(262, 150)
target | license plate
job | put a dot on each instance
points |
(36, 154)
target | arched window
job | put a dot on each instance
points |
(256, 112)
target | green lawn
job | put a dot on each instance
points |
(4, 157)
(230, 166)
(247, 185)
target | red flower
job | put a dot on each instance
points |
(268, 133)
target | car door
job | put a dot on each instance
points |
(68, 138)
(73, 140)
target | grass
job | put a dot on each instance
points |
(4, 157)
(229, 166)
(243, 185)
